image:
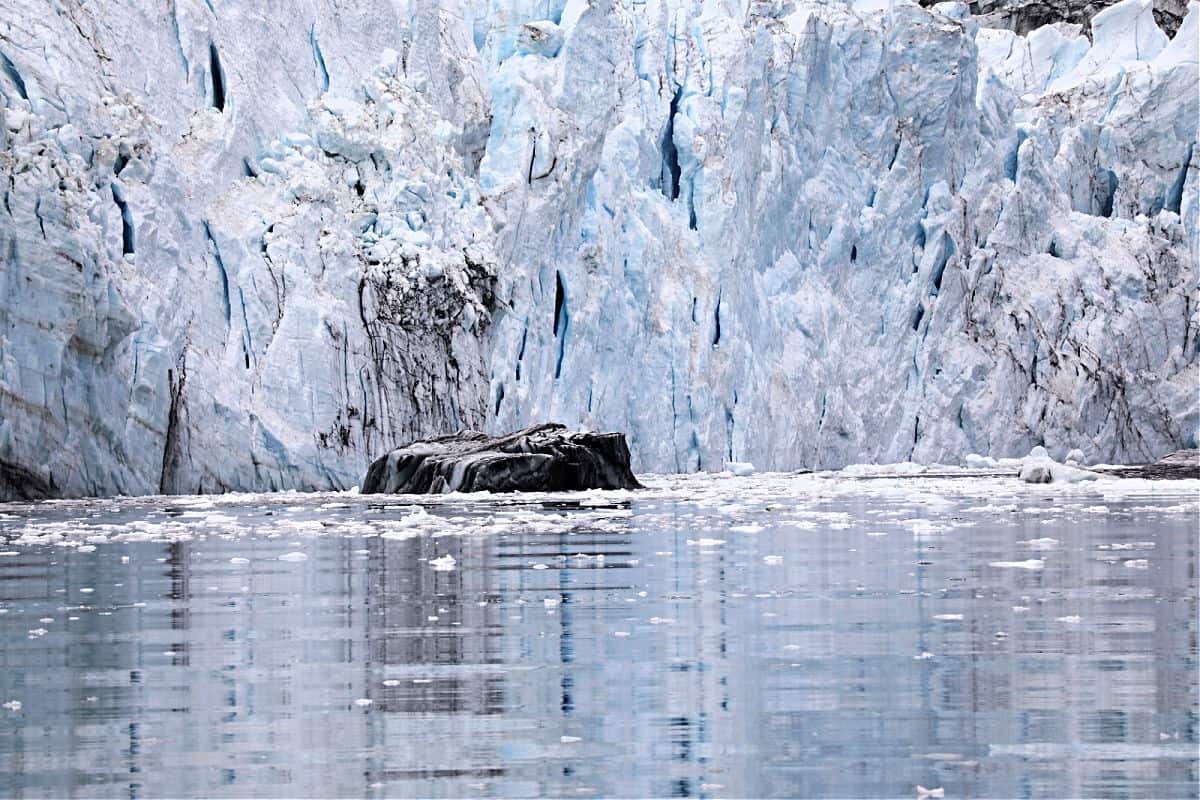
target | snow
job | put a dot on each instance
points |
(825, 235)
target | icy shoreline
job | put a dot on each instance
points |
(921, 505)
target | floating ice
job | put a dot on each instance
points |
(1038, 467)
(1045, 543)
(1030, 563)
(976, 461)
(876, 470)
(444, 563)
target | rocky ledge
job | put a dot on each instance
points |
(1180, 465)
(543, 458)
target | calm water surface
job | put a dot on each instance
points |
(767, 636)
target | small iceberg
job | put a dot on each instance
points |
(445, 563)
(1038, 467)
(976, 461)
(1029, 563)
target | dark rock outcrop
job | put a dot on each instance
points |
(18, 483)
(1024, 16)
(1180, 465)
(543, 458)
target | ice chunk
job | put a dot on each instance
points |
(1036, 471)
(1038, 467)
(444, 563)
(903, 468)
(976, 461)
(1182, 48)
(1045, 543)
(1029, 563)
(1122, 33)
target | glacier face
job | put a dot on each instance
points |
(252, 246)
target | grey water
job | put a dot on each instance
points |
(855, 647)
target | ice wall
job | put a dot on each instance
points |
(243, 244)
(818, 234)
(250, 246)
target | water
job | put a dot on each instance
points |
(804, 636)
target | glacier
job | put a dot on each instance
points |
(254, 246)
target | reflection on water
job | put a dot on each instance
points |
(688, 656)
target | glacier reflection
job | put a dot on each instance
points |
(662, 651)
